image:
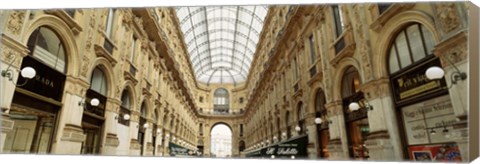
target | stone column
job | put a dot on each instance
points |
(11, 52)
(454, 50)
(69, 135)
(312, 135)
(111, 115)
(148, 139)
(337, 145)
(383, 142)
(134, 126)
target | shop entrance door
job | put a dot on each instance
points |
(91, 145)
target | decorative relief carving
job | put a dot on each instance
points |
(15, 21)
(448, 15)
(92, 20)
(456, 54)
(9, 55)
(364, 49)
(85, 61)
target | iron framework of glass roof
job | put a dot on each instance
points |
(221, 40)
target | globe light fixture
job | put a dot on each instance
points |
(126, 117)
(354, 106)
(434, 73)
(318, 120)
(297, 128)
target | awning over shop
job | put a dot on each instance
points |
(177, 150)
(295, 147)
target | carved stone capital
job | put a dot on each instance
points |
(376, 88)
(454, 48)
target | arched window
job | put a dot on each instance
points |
(48, 48)
(221, 100)
(98, 82)
(320, 101)
(241, 146)
(411, 45)
(143, 111)
(126, 99)
(350, 82)
(125, 108)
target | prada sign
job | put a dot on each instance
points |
(47, 82)
(413, 82)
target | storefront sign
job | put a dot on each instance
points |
(177, 149)
(47, 82)
(413, 83)
(420, 118)
(295, 147)
(439, 153)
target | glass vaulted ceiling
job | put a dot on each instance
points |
(221, 40)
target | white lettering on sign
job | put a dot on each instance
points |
(270, 150)
(287, 151)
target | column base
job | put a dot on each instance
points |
(111, 144)
(380, 147)
(71, 140)
(135, 147)
(335, 150)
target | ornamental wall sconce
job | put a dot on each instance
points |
(93, 102)
(355, 106)
(125, 117)
(26, 72)
(435, 73)
(297, 128)
(319, 120)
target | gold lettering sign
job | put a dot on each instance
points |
(419, 89)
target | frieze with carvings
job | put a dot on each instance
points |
(11, 56)
(15, 21)
(448, 15)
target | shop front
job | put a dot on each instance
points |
(37, 102)
(180, 151)
(427, 115)
(294, 148)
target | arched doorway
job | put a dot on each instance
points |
(322, 126)
(37, 102)
(356, 122)
(94, 116)
(221, 141)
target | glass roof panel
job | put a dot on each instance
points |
(221, 40)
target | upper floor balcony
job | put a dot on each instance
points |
(221, 112)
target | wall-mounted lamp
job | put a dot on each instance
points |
(319, 120)
(167, 136)
(159, 131)
(284, 134)
(26, 72)
(297, 128)
(145, 125)
(354, 106)
(93, 102)
(436, 72)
